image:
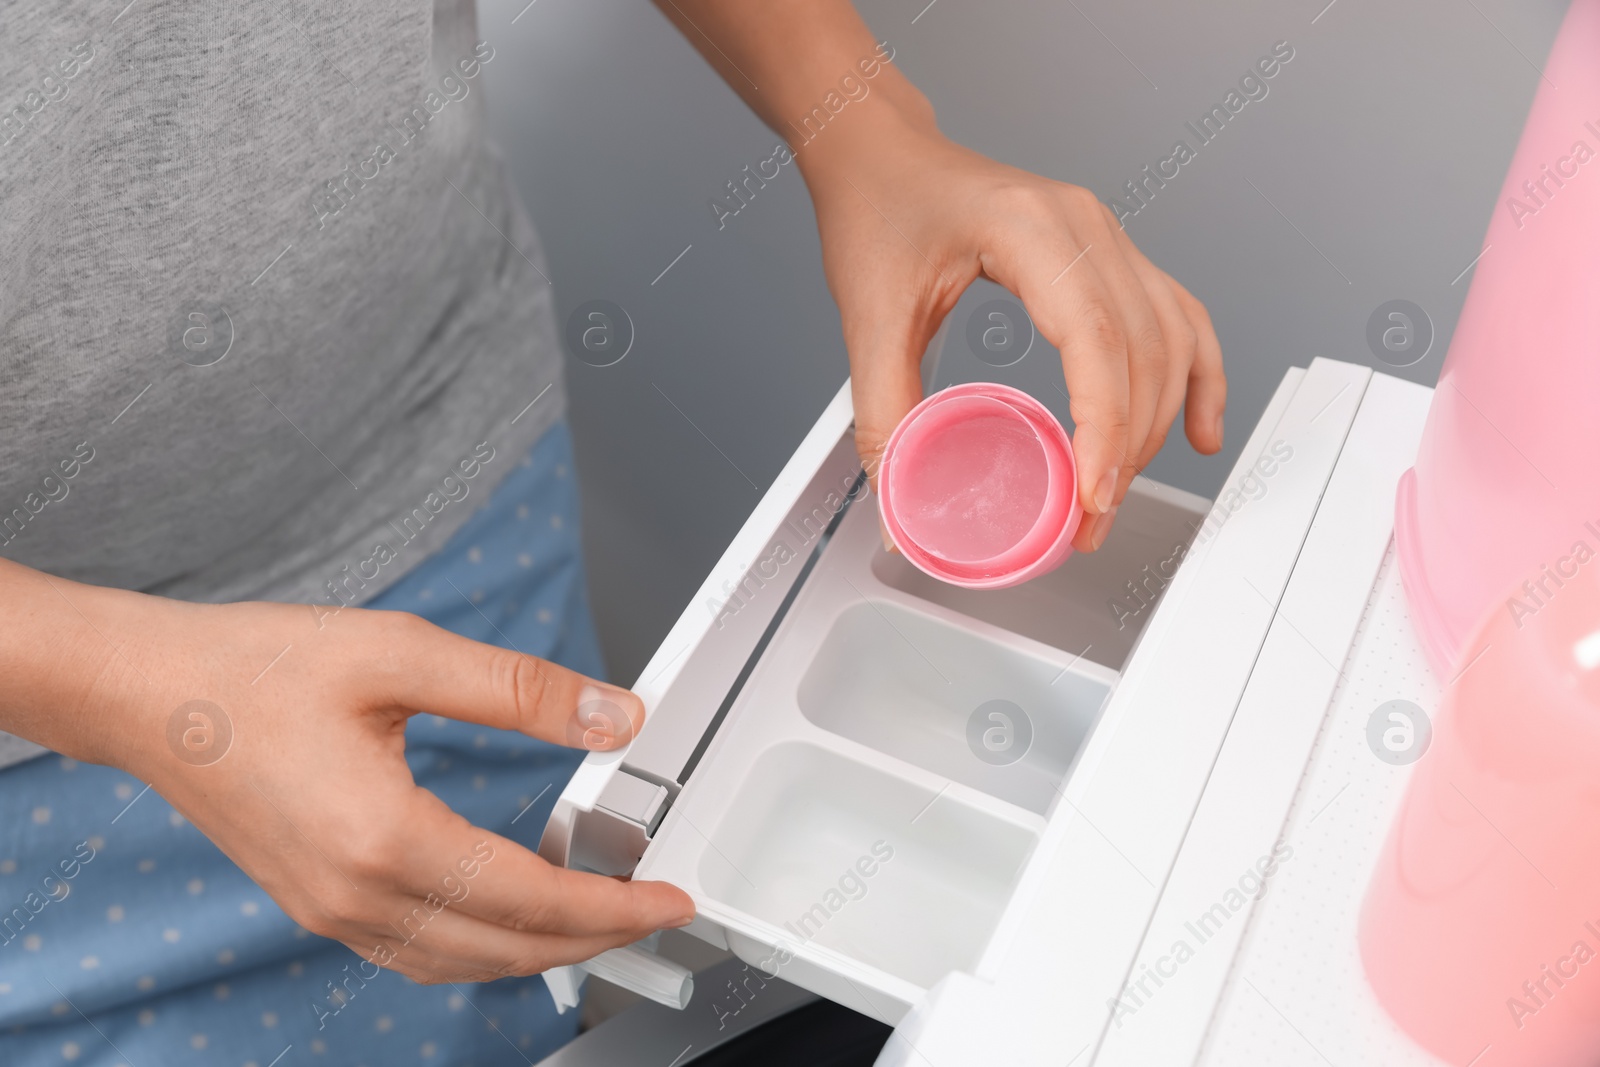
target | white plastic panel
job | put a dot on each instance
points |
(1233, 845)
(1296, 993)
(686, 681)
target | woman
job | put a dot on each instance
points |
(277, 349)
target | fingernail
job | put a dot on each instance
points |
(1106, 491)
(1102, 527)
(612, 694)
(603, 719)
(1219, 428)
(676, 924)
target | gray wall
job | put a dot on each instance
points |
(1375, 160)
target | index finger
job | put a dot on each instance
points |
(427, 668)
(885, 377)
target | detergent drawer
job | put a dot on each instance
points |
(848, 764)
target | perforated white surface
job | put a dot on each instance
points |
(1296, 994)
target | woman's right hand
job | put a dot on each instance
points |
(297, 771)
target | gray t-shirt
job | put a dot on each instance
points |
(266, 294)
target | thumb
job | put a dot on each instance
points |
(885, 381)
(434, 670)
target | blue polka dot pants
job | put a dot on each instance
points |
(156, 951)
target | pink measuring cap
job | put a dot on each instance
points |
(979, 488)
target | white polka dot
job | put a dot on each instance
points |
(60, 1007)
(32, 942)
(384, 1024)
(116, 913)
(481, 741)
(318, 1045)
(123, 790)
(561, 470)
(196, 887)
(301, 933)
(5, 987)
(426, 594)
(456, 1002)
(225, 957)
(170, 935)
(146, 866)
(479, 781)
(555, 522)
(545, 616)
(524, 559)
(269, 1019)
(146, 1017)
(249, 907)
(526, 1040)
(68, 763)
(440, 720)
(89, 963)
(198, 1041)
(296, 969)
(222, 992)
(477, 596)
(41, 816)
(176, 818)
(97, 842)
(474, 554)
(8, 866)
(428, 1049)
(146, 983)
(71, 1051)
(522, 511)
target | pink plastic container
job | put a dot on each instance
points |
(979, 487)
(1507, 477)
(1480, 932)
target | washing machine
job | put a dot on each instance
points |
(943, 827)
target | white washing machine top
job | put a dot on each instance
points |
(988, 817)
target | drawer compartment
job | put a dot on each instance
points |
(969, 708)
(863, 862)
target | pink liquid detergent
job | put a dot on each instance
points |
(977, 491)
(1480, 932)
(978, 487)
